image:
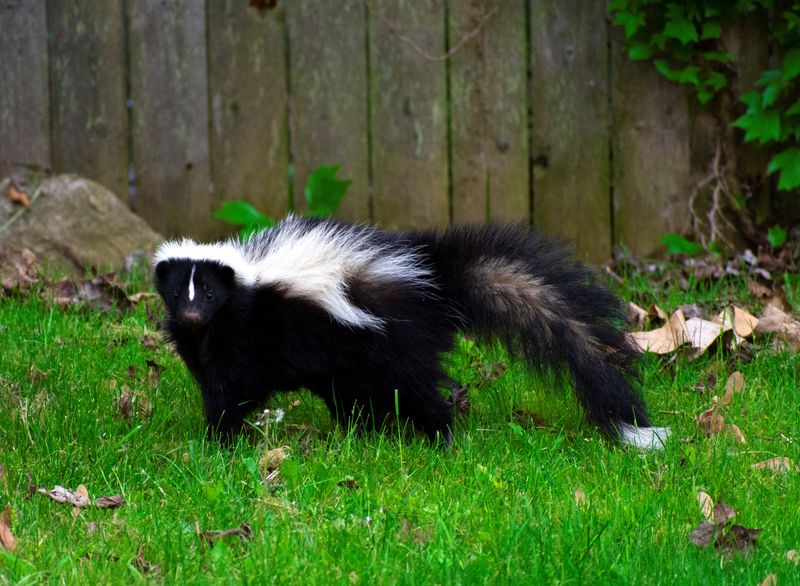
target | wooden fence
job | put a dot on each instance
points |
(438, 110)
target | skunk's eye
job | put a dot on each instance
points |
(210, 296)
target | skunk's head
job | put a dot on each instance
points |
(194, 290)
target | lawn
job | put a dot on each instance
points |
(528, 493)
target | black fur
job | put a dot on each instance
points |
(252, 341)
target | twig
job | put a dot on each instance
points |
(421, 50)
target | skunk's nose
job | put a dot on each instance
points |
(192, 318)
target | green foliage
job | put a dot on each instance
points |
(776, 236)
(683, 39)
(323, 192)
(677, 244)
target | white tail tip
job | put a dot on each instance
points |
(644, 438)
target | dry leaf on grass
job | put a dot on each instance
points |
(775, 321)
(637, 314)
(665, 339)
(409, 530)
(7, 540)
(770, 580)
(459, 399)
(17, 195)
(743, 322)
(734, 384)
(716, 532)
(348, 483)
(100, 293)
(79, 498)
(780, 465)
(244, 531)
(133, 402)
(706, 505)
(793, 556)
(145, 567)
(24, 269)
(702, 333)
(580, 498)
(272, 459)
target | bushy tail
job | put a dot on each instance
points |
(513, 284)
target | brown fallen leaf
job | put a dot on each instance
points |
(793, 556)
(734, 384)
(17, 195)
(77, 498)
(145, 567)
(272, 459)
(459, 399)
(665, 339)
(154, 370)
(348, 483)
(133, 402)
(656, 313)
(779, 465)
(737, 538)
(243, 532)
(23, 271)
(637, 314)
(706, 505)
(149, 341)
(770, 580)
(715, 531)
(775, 321)
(7, 540)
(743, 323)
(711, 420)
(580, 498)
(705, 534)
(101, 293)
(737, 434)
(109, 502)
(703, 333)
(143, 296)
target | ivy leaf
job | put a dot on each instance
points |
(241, 213)
(324, 192)
(632, 21)
(758, 124)
(776, 236)
(716, 80)
(689, 74)
(718, 56)
(711, 30)
(640, 52)
(794, 109)
(680, 28)
(665, 70)
(791, 64)
(677, 244)
(788, 163)
(770, 94)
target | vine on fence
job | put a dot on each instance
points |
(683, 40)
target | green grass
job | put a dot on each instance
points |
(499, 507)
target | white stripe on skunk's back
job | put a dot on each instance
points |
(314, 260)
(317, 261)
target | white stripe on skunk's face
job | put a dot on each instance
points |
(191, 284)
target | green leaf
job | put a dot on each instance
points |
(665, 70)
(794, 109)
(718, 56)
(788, 163)
(640, 52)
(711, 30)
(716, 80)
(324, 192)
(677, 244)
(705, 95)
(776, 236)
(791, 64)
(631, 21)
(241, 213)
(770, 94)
(681, 29)
(689, 74)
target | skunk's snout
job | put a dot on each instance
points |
(192, 318)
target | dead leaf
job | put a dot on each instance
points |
(272, 459)
(705, 534)
(793, 556)
(702, 333)
(734, 430)
(348, 483)
(7, 539)
(411, 531)
(459, 399)
(724, 540)
(580, 498)
(154, 370)
(770, 580)
(143, 296)
(109, 502)
(638, 315)
(145, 567)
(63, 495)
(737, 538)
(132, 402)
(691, 310)
(242, 532)
(18, 196)
(36, 375)
(101, 293)
(656, 313)
(149, 341)
(723, 512)
(734, 384)
(706, 505)
(780, 465)
(711, 420)
(24, 269)
(743, 323)
(775, 321)
(665, 339)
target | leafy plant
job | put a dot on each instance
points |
(677, 244)
(683, 39)
(776, 236)
(323, 192)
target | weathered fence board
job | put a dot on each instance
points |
(170, 115)
(571, 191)
(408, 116)
(650, 153)
(329, 97)
(88, 94)
(24, 95)
(489, 106)
(247, 80)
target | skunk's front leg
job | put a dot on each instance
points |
(224, 414)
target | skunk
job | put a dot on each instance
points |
(362, 318)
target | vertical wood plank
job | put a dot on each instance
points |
(170, 115)
(247, 80)
(489, 111)
(24, 95)
(329, 97)
(571, 123)
(408, 118)
(87, 73)
(650, 152)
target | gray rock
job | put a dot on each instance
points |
(74, 224)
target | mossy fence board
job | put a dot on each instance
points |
(438, 110)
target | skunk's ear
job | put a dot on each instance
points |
(227, 274)
(161, 270)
